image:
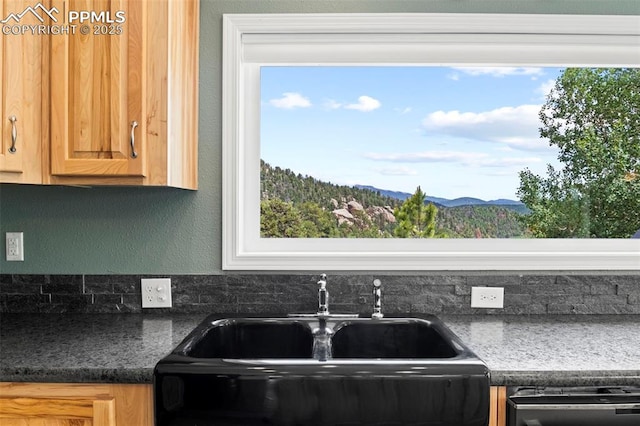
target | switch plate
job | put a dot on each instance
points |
(14, 246)
(156, 292)
(487, 297)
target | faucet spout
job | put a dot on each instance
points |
(323, 296)
(322, 346)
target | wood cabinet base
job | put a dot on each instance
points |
(64, 404)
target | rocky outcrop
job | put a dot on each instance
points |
(353, 213)
(343, 216)
(353, 205)
(384, 214)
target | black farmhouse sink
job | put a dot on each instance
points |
(321, 371)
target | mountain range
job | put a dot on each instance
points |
(445, 202)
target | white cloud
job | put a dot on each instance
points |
(500, 71)
(429, 157)
(291, 100)
(403, 111)
(510, 161)
(397, 171)
(473, 159)
(365, 104)
(516, 127)
(545, 88)
(332, 104)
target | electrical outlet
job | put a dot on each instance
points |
(14, 246)
(156, 292)
(487, 297)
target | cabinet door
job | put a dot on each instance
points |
(21, 96)
(96, 95)
(57, 412)
(75, 404)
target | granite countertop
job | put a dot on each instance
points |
(559, 350)
(567, 350)
(99, 348)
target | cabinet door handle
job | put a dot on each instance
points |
(14, 133)
(134, 154)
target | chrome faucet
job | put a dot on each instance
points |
(322, 335)
(377, 299)
(323, 296)
(323, 304)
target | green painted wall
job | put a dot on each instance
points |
(70, 230)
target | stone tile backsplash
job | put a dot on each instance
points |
(283, 293)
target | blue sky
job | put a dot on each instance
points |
(454, 131)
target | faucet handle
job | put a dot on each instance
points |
(377, 299)
(323, 281)
(323, 296)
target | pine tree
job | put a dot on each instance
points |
(415, 219)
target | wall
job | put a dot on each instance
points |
(167, 231)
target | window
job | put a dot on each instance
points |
(254, 42)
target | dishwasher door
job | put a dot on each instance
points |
(604, 406)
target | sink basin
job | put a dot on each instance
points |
(251, 339)
(390, 371)
(391, 338)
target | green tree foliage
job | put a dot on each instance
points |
(318, 222)
(558, 209)
(593, 117)
(415, 219)
(280, 219)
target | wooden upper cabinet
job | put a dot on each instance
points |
(124, 96)
(111, 99)
(21, 98)
(96, 95)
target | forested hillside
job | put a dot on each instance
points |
(288, 186)
(293, 205)
(480, 222)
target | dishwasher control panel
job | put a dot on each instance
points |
(574, 406)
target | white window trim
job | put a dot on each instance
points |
(254, 40)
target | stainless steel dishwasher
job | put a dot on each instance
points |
(572, 406)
